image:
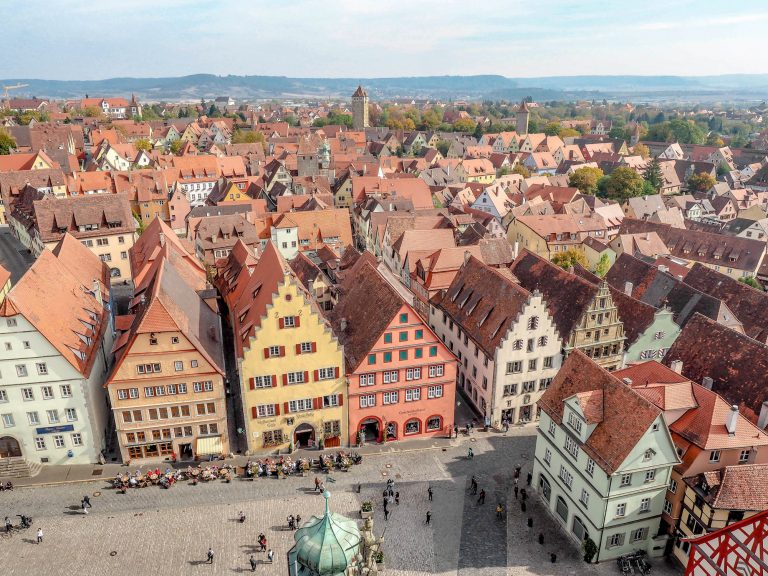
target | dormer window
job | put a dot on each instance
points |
(650, 453)
(574, 422)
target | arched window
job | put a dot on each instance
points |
(434, 423)
(412, 426)
(561, 508)
(543, 340)
(533, 322)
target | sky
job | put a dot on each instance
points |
(76, 40)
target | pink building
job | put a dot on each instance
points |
(402, 378)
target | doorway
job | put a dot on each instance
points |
(525, 413)
(304, 436)
(9, 447)
(185, 452)
(369, 430)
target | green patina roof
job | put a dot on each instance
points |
(327, 545)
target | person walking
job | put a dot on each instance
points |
(84, 507)
(297, 525)
(528, 479)
(429, 493)
(499, 511)
(87, 500)
(429, 517)
(455, 431)
(210, 555)
(523, 494)
(386, 514)
(39, 535)
(317, 483)
(470, 453)
(241, 517)
(481, 499)
(516, 491)
(252, 561)
(270, 555)
(473, 485)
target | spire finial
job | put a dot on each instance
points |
(327, 495)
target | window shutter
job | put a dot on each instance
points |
(316, 375)
(266, 352)
(285, 379)
(306, 376)
(341, 399)
(282, 351)
(285, 407)
(251, 384)
(314, 346)
(297, 321)
(298, 348)
(281, 321)
(315, 404)
(277, 409)
(274, 380)
(336, 372)
(254, 412)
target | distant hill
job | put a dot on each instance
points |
(637, 88)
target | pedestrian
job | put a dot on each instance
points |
(386, 503)
(298, 521)
(474, 485)
(8, 525)
(499, 511)
(528, 479)
(516, 479)
(517, 471)
(290, 522)
(87, 501)
(262, 542)
(470, 453)
(270, 555)
(481, 499)
(85, 508)
(429, 517)
(39, 535)
(455, 431)
(210, 556)
(386, 514)
(317, 483)
(252, 560)
(397, 498)
(553, 557)
(523, 494)
(530, 522)
(429, 493)
(466, 427)
(523, 506)
(516, 490)
(241, 517)
(541, 538)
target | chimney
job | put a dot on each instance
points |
(707, 382)
(628, 287)
(467, 256)
(627, 381)
(517, 250)
(663, 268)
(733, 417)
(762, 420)
(343, 325)
(677, 366)
(162, 238)
(97, 291)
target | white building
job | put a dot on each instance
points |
(53, 362)
(508, 348)
(604, 458)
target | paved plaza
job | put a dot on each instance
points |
(167, 532)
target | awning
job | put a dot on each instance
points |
(209, 445)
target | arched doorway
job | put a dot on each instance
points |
(370, 430)
(579, 529)
(304, 436)
(9, 447)
(391, 431)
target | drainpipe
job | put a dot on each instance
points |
(605, 512)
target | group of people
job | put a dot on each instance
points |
(293, 522)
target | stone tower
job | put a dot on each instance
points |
(360, 109)
(522, 118)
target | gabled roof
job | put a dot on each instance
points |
(733, 487)
(622, 416)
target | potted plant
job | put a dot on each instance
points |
(590, 549)
(366, 509)
(379, 557)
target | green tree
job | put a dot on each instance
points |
(603, 265)
(478, 133)
(686, 132)
(659, 133)
(621, 184)
(176, 146)
(700, 182)
(641, 150)
(6, 142)
(569, 133)
(652, 175)
(247, 137)
(522, 170)
(143, 144)
(586, 179)
(750, 281)
(213, 112)
(569, 258)
(552, 128)
(590, 549)
(443, 146)
(464, 125)
(714, 140)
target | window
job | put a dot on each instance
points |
(418, 353)
(403, 336)
(71, 414)
(288, 322)
(574, 422)
(53, 416)
(529, 386)
(517, 345)
(672, 486)
(547, 456)
(387, 337)
(650, 476)
(389, 398)
(413, 374)
(434, 423)
(403, 355)
(645, 505)
(133, 393)
(615, 540)
(552, 427)
(590, 466)
(148, 368)
(10, 322)
(371, 359)
(433, 350)
(8, 421)
(58, 441)
(149, 391)
(42, 368)
(510, 389)
(418, 335)
(744, 456)
(295, 377)
(66, 391)
(572, 446)
(584, 499)
(566, 476)
(639, 534)
(193, 364)
(544, 383)
(667, 507)
(265, 410)
(274, 351)
(39, 443)
(305, 348)
(404, 318)
(436, 370)
(626, 480)
(387, 357)
(178, 365)
(714, 456)
(367, 379)
(435, 391)
(412, 427)
(27, 394)
(542, 341)
(3, 396)
(262, 381)
(33, 418)
(514, 367)
(390, 376)
(21, 370)
(549, 361)
(77, 439)
(26, 344)
(533, 323)
(367, 400)
(182, 388)
(47, 392)
(412, 394)
(530, 345)
(621, 510)
(122, 394)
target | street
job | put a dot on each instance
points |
(13, 256)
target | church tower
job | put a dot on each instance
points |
(360, 109)
(522, 118)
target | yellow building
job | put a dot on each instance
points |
(290, 363)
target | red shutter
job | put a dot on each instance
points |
(281, 321)
(336, 372)
(315, 403)
(316, 375)
(306, 376)
(285, 407)
(254, 412)
(297, 321)
(274, 380)
(251, 384)
(277, 409)
(298, 348)
(314, 346)
(282, 351)
(341, 399)
(285, 379)
(266, 352)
